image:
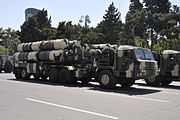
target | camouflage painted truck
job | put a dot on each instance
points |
(69, 61)
(168, 67)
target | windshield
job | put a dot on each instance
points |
(148, 55)
(143, 54)
(139, 54)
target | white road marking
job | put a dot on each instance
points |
(116, 94)
(171, 93)
(12, 81)
(71, 108)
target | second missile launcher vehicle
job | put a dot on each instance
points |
(168, 67)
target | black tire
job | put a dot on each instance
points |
(126, 83)
(53, 74)
(44, 77)
(17, 73)
(166, 81)
(106, 79)
(7, 71)
(86, 79)
(65, 76)
(37, 75)
(153, 81)
(24, 74)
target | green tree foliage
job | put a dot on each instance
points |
(171, 29)
(69, 31)
(92, 36)
(126, 36)
(3, 50)
(37, 28)
(158, 6)
(9, 40)
(110, 26)
(156, 26)
(175, 9)
(155, 7)
(77, 32)
(135, 27)
(134, 6)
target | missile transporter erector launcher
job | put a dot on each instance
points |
(69, 61)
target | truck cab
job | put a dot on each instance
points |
(127, 64)
(6, 64)
(136, 62)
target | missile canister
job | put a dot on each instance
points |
(54, 55)
(58, 44)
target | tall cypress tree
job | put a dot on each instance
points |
(158, 6)
(110, 26)
(135, 5)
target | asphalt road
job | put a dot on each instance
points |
(42, 100)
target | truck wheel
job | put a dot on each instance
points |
(86, 79)
(106, 79)
(127, 83)
(24, 74)
(44, 77)
(53, 75)
(65, 76)
(18, 73)
(154, 81)
(166, 81)
(37, 75)
(8, 71)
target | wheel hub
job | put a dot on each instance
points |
(105, 79)
(151, 79)
(23, 73)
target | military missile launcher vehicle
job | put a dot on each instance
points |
(168, 67)
(68, 61)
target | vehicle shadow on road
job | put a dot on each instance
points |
(47, 82)
(167, 87)
(128, 91)
(94, 87)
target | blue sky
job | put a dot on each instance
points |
(12, 11)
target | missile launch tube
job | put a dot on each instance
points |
(53, 55)
(58, 44)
